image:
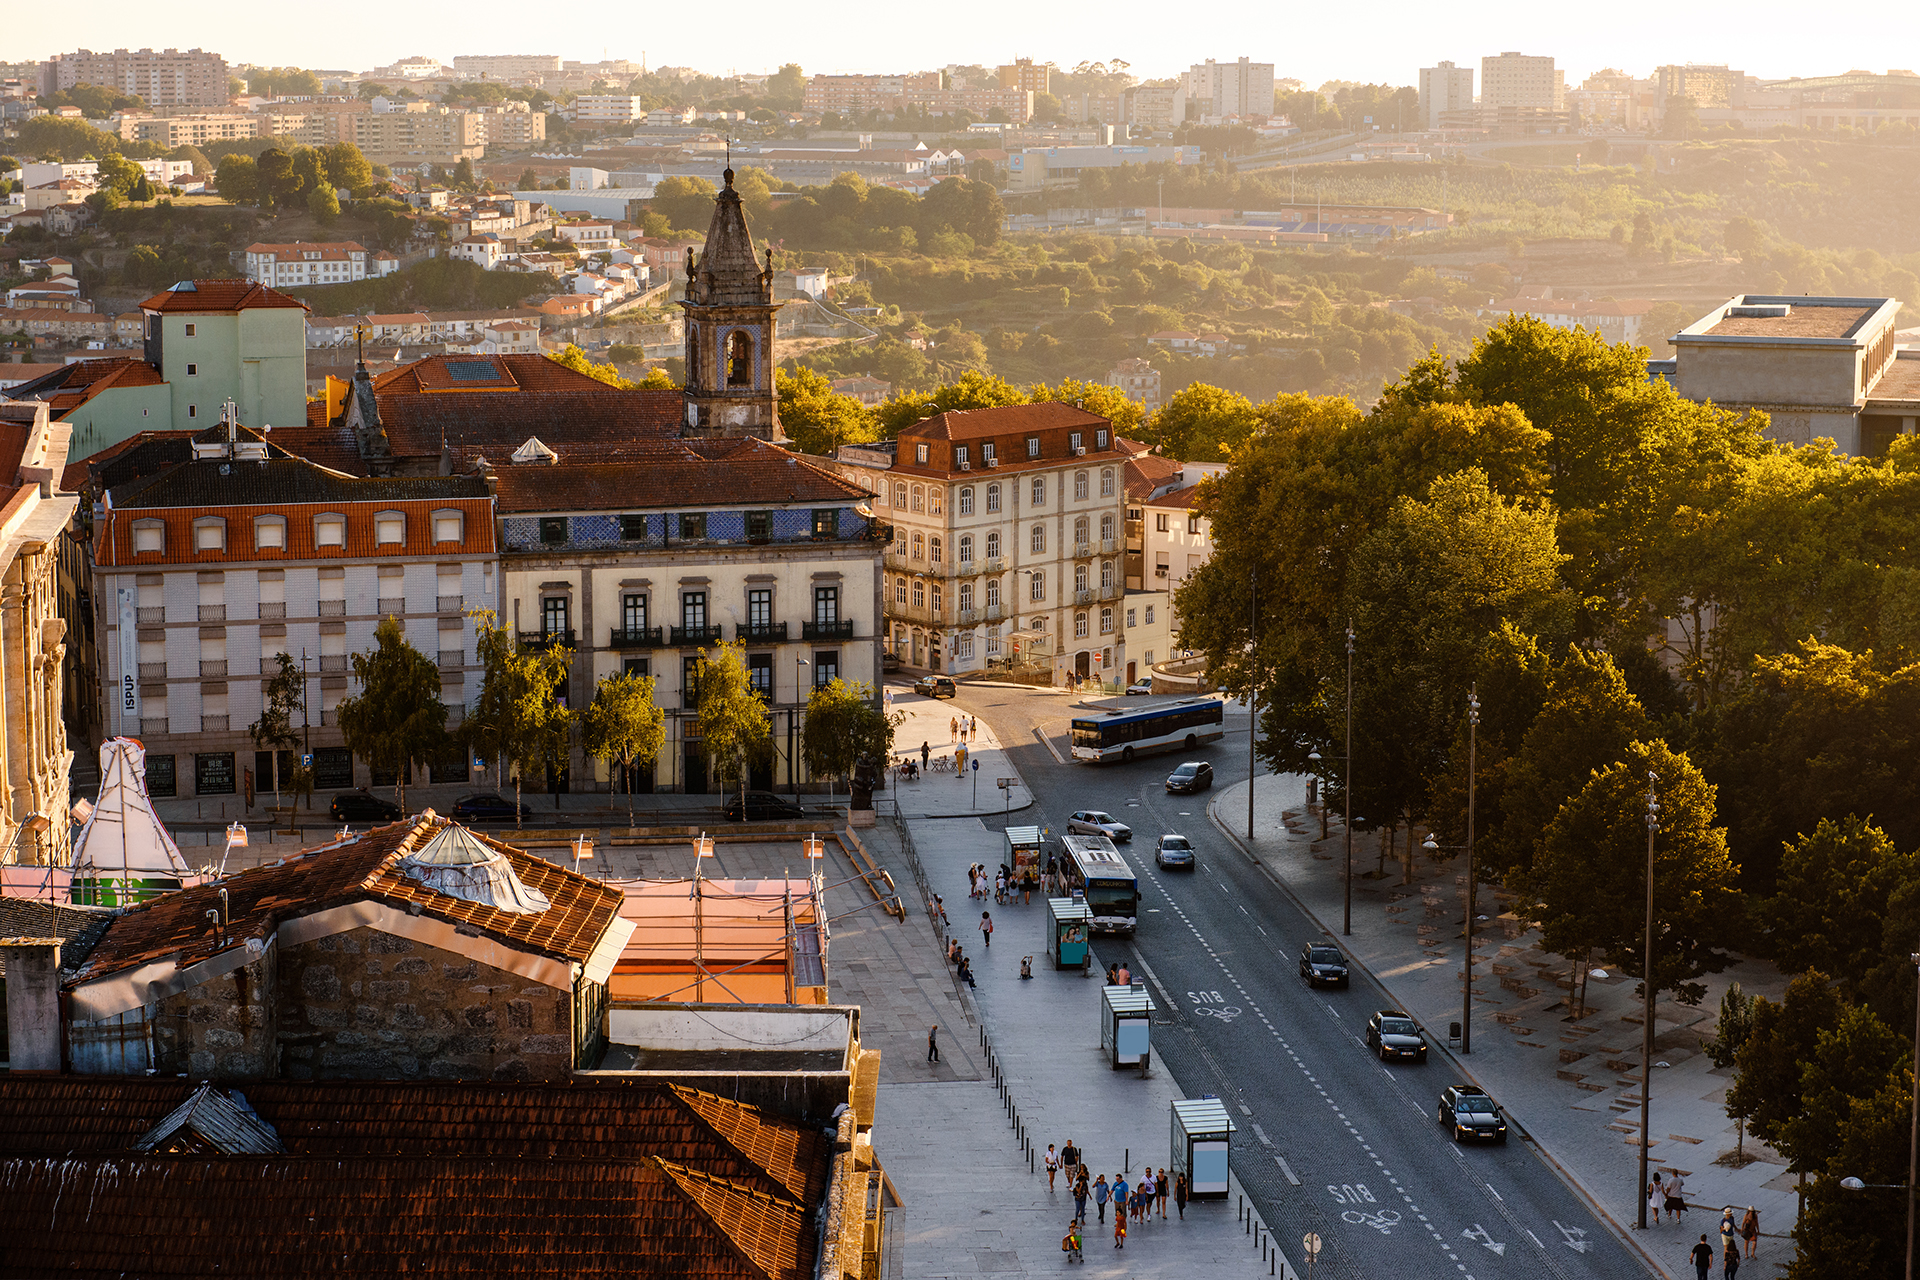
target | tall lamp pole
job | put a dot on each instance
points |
(793, 723)
(1253, 686)
(1346, 927)
(1913, 1139)
(1466, 982)
(1646, 988)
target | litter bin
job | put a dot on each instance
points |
(1070, 922)
(1201, 1131)
(1126, 1020)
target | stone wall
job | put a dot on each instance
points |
(366, 1005)
(222, 1029)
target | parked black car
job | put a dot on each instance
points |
(762, 806)
(1322, 962)
(362, 806)
(1194, 775)
(1393, 1035)
(1469, 1114)
(488, 806)
(936, 687)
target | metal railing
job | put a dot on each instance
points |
(839, 630)
(153, 671)
(150, 613)
(969, 616)
(995, 613)
(760, 632)
(392, 605)
(1082, 550)
(636, 638)
(696, 635)
(213, 724)
(1112, 592)
(152, 726)
(213, 613)
(333, 662)
(333, 608)
(1109, 547)
(966, 568)
(449, 604)
(996, 564)
(1083, 597)
(273, 608)
(544, 639)
(451, 659)
(212, 667)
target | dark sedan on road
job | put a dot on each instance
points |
(762, 806)
(362, 806)
(1174, 851)
(1194, 775)
(1320, 963)
(1396, 1037)
(1470, 1115)
(488, 806)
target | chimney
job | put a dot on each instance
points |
(33, 1003)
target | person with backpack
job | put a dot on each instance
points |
(1080, 1199)
(1100, 1193)
(1070, 1243)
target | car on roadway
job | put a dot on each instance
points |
(1470, 1115)
(1194, 775)
(889, 660)
(488, 806)
(761, 806)
(1174, 851)
(1140, 688)
(1396, 1037)
(935, 687)
(1094, 822)
(362, 806)
(1323, 962)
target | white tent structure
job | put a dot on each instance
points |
(124, 845)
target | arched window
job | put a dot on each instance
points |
(1106, 527)
(1106, 573)
(1080, 623)
(966, 548)
(899, 590)
(1106, 622)
(1079, 484)
(739, 359)
(966, 597)
(919, 592)
(919, 497)
(993, 593)
(993, 544)
(1038, 540)
(933, 548)
(1080, 531)
(1106, 482)
(934, 603)
(900, 496)
(936, 495)
(1079, 577)
(966, 500)
(1037, 588)
(1039, 491)
(993, 498)
(919, 545)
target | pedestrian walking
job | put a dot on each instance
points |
(953, 729)
(926, 754)
(1080, 1201)
(1676, 1194)
(1702, 1256)
(986, 929)
(1101, 1192)
(933, 1043)
(1148, 1189)
(1120, 1229)
(1120, 1193)
(1160, 1190)
(1053, 1165)
(1730, 1265)
(1180, 1196)
(1656, 1196)
(1726, 1227)
(1750, 1229)
(1070, 1161)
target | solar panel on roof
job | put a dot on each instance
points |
(472, 370)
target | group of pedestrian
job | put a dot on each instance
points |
(1670, 1195)
(962, 968)
(1118, 975)
(1731, 1239)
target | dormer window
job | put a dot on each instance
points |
(920, 454)
(1033, 446)
(209, 534)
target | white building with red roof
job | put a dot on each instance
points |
(292, 266)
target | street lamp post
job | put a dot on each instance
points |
(1253, 687)
(793, 726)
(1346, 927)
(1646, 990)
(1466, 977)
(1913, 1137)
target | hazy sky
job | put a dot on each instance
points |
(1385, 40)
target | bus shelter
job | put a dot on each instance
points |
(1069, 928)
(1202, 1130)
(1023, 855)
(1126, 1021)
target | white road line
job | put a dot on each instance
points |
(1532, 1237)
(1490, 1191)
(1047, 742)
(1286, 1170)
(1261, 1134)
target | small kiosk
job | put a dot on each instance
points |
(1126, 1019)
(1023, 855)
(1069, 925)
(1201, 1129)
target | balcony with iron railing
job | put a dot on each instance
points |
(213, 613)
(211, 668)
(839, 629)
(1112, 592)
(1109, 547)
(696, 635)
(153, 671)
(152, 726)
(760, 632)
(150, 614)
(391, 606)
(333, 608)
(966, 568)
(213, 724)
(449, 604)
(994, 613)
(273, 608)
(969, 616)
(545, 639)
(451, 659)
(333, 662)
(636, 638)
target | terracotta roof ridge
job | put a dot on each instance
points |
(696, 1100)
(698, 1188)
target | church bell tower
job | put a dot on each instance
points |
(730, 306)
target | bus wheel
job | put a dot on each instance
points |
(1126, 756)
(1192, 742)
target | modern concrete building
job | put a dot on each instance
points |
(516, 68)
(166, 78)
(419, 134)
(1241, 88)
(1444, 87)
(1024, 75)
(1820, 367)
(1520, 81)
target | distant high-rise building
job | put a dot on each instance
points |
(507, 66)
(1444, 87)
(1239, 88)
(168, 78)
(1025, 74)
(1515, 81)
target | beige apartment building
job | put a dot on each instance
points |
(419, 134)
(1518, 80)
(189, 131)
(1443, 88)
(163, 78)
(1006, 540)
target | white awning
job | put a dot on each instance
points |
(123, 835)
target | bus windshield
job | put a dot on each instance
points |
(1086, 733)
(1118, 897)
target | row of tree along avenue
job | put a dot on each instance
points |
(397, 720)
(1634, 583)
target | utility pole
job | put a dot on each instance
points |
(306, 731)
(1253, 686)
(1466, 986)
(1646, 989)
(1346, 927)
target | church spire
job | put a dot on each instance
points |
(730, 327)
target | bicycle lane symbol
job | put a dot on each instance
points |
(1383, 1221)
(1211, 1004)
(1357, 1194)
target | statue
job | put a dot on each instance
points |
(866, 780)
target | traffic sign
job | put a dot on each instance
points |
(306, 760)
(1311, 1242)
(976, 766)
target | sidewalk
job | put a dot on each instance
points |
(1570, 1084)
(972, 1205)
(943, 795)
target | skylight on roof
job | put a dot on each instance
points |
(472, 370)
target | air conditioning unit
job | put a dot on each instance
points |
(966, 466)
(1080, 451)
(993, 462)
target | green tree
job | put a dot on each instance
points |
(843, 724)
(1730, 1036)
(527, 181)
(281, 696)
(1587, 888)
(463, 179)
(1111, 403)
(1851, 1059)
(971, 390)
(686, 203)
(657, 379)
(623, 725)
(1835, 911)
(323, 204)
(787, 87)
(518, 719)
(276, 176)
(733, 715)
(818, 418)
(1849, 1235)
(574, 358)
(1766, 1093)
(397, 720)
(64, 138)
(1200, 423)
(347, 167)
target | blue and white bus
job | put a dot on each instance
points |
(1095, 869)
(1121, 735)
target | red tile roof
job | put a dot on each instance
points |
(1007, 420)
(175, 926)
(1147, 472)
(664, 473)
(219, 296)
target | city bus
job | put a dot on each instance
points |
(1095, 869)
(1120, 735)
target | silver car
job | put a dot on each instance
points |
(1093, 822)
(1174, 851)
